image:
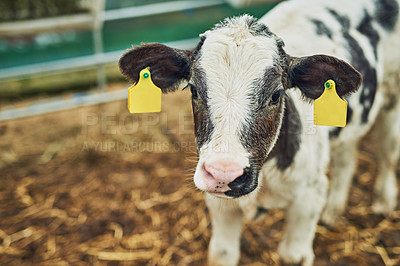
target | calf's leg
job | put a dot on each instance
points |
(226, 222)
(343, 164)
(302, 218)
(388, 152)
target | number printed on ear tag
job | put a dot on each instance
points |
(329, 108)
(144, 96)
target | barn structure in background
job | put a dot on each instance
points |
(92, 16)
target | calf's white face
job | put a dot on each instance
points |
(238, 74)
(230, 66)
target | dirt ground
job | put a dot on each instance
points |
(98, 186)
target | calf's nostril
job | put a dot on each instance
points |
(240, 182)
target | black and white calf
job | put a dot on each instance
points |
(253, 113)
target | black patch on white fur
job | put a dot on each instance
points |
(365, 27)
(321, 28)
(361, 63)
(343, 20)
(289, 140)
(282, 61)
(258, 133)
(258, 28)
(196, 52)
(270, 83)
(203, 125)
(199, 80)
(387, 13)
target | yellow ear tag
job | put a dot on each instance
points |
(329, 108)
(144, 96)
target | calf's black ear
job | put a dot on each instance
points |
(170, 68)
(310, 73)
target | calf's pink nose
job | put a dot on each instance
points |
(224, 171)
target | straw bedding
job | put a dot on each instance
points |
(76, 191)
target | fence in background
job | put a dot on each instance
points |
(79, 99)
(90, 16)
(93, 20)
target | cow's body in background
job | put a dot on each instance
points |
(367, 35)
(252, 104)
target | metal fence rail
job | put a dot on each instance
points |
(99, 58)
(74, 64)
(54, 105)
(157, 9)
(85, 62)
(78, 99)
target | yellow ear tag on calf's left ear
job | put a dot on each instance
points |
(329, 108)
(144, 96)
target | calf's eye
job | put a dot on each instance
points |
(275, 97)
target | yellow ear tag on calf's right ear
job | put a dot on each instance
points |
(329, 108)
(144, 96)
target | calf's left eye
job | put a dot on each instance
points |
(275, 97)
